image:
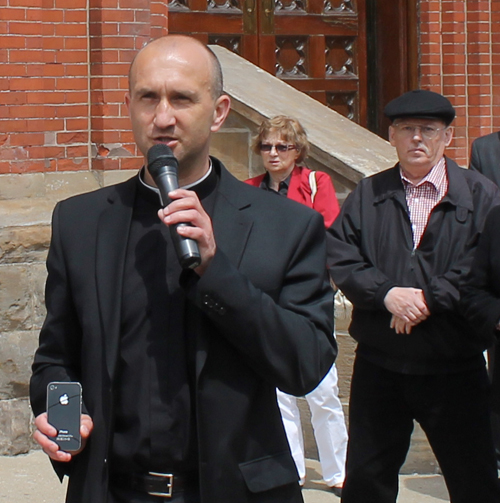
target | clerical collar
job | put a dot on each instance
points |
(203, 187)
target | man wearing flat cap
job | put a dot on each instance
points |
(402, 243)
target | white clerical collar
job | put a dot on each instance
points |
(187, 187)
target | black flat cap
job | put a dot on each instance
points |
(421, 104)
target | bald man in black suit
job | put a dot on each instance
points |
(179, 367)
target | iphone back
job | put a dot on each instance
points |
(64, 408)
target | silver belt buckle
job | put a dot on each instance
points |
(169, 477)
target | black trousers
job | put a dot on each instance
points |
(453, 410)
(495, 416)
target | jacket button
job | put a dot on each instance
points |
(208, 301)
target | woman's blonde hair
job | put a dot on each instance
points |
(289, 129)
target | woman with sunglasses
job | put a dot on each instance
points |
(282, 143)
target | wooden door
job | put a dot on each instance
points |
(392, 48)
(230, 23)
(317, 46)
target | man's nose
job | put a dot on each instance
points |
(164, 115)
(417, 132)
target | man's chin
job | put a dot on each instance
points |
(418, 159)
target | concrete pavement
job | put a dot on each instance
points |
(412, 488)
(29, 479)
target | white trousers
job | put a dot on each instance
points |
(330, 432)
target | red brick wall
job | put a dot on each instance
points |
(460, 58)
(64, 69)
(63, 80)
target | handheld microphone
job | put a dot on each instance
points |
(162, 165)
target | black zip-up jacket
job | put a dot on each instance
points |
(372, 251)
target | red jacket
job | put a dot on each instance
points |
(325, 200)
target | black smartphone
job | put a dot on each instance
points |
(64, 409)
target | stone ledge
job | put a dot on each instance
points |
(29, 199)
(59, 185)
(54, 186)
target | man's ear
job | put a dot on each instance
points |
(391, 135)
(448, 135)
(222, 108)
(127, 100)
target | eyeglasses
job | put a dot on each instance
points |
(410, 130)
(267, 147)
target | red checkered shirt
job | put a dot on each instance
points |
(422, 197)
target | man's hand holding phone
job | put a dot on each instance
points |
(63, 430)
(44, 430)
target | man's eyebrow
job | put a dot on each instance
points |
(176, 92)
(144, 90)
(184, 92)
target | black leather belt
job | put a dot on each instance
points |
(164, 485)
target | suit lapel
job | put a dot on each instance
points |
(112, 236)
(232, 228)
(231, 223)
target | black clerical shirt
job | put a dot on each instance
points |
(155, 427)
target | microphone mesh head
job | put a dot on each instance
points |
(159, 156)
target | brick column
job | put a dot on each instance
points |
(118, 29)
(117, 32)
(65, 73)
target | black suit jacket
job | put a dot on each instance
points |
(485, 156)
(265, 310)
(480, 299)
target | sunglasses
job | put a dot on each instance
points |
(267, 147)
